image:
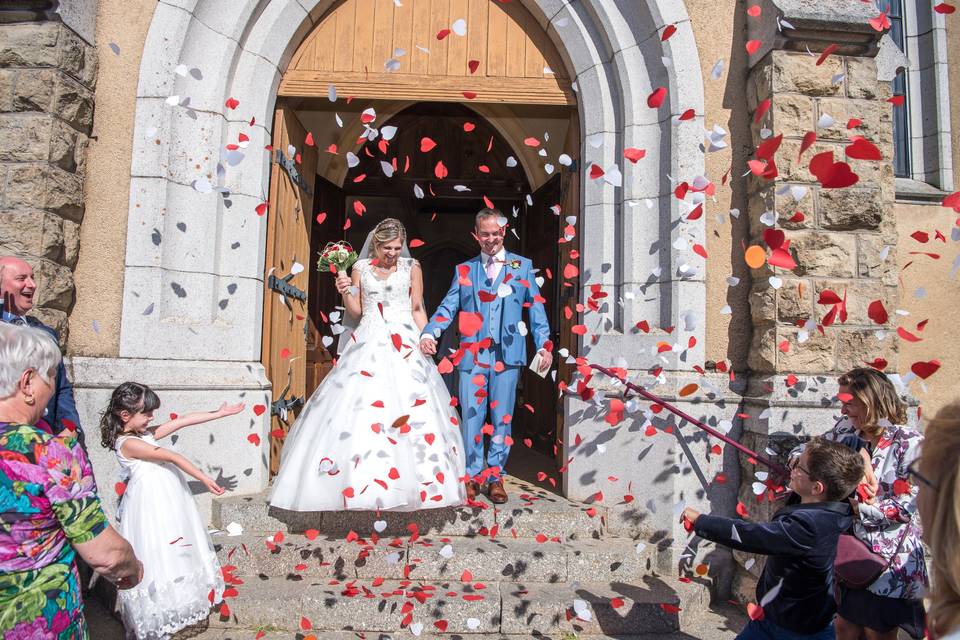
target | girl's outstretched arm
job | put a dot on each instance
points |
(135, 448)
(180, 422)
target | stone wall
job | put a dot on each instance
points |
(47, 76)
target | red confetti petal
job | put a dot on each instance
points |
(925, 369)
(655, 99)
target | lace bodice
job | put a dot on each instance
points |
(393, 292)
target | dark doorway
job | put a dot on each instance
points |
(477, 159)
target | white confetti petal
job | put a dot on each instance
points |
(459, 27)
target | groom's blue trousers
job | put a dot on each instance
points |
(501, 391)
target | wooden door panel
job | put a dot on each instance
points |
(288, 243)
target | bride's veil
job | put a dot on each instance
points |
(351, 321)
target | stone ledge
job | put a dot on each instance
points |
(816, 25)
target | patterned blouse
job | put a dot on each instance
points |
(882, 523)
(48, 502)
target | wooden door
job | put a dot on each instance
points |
(541, 229)
(287, 272)
(327, 223)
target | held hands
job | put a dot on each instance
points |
(212, 486)
(343, 283)
(428, 346)
(229, 410)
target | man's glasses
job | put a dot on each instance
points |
(796, 465)
(912, 471)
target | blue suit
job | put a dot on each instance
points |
(62, 405)
(481, 387)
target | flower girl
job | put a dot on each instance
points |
(157, 515)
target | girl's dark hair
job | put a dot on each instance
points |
(129, 396)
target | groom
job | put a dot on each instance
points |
(490, 292)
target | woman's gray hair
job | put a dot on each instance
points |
(23, 348)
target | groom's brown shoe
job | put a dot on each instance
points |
(473, 489)
(498, 495)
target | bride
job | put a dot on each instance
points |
(380, 432)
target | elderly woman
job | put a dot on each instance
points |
(937, 474)
(873, 423)
(49, 508)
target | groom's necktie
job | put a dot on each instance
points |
(491, 268)
(19, 321)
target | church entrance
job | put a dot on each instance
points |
(348, 153)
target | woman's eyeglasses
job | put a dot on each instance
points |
(912, 471)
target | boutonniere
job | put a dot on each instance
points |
(514, 264)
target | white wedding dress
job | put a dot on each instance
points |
(181, 574)
(380, 432)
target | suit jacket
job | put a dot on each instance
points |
(501, 315)
(62, 405)
(801, 541)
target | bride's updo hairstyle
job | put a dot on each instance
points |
(386, 230)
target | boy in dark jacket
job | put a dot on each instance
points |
(795, 590)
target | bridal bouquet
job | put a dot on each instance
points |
(336, 257)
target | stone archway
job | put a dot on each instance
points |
(205, 288)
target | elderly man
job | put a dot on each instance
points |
(17, 289)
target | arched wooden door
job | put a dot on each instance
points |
(481, 53)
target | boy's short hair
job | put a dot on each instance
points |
(838, 467)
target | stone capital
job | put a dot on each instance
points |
(801, 25)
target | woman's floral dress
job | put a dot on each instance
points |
(48, 502)
(882, 523)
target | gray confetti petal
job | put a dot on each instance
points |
(235, 245)
(232, 288)
(148, 310)
(182, 226)
(196, 73)
(177, 289)
(115, 48)
(223, 303)
(157, 237)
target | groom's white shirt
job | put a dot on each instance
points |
(498, 259)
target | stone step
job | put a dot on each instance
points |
(652, 605)
(530, 511)
(487, 559)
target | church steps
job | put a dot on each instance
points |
(529, 511)
(497, 559)
(648, 606)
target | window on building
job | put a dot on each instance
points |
(921, 127)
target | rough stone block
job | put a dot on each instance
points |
(815, 355)
(32, 232)
(849, 209)
(29, 44)
(759, 84)
(862, 79)
(65, 146)
(71, 243)
(24, 137)
(35, 90)
(763, 303)
(74, 103)
(795, 72)
(869, 263)
(778, 196)
(824, 254)
(794, 301)
(45, 187)
(876, 117)
(7, 81)
(762, 356)
(789, 113)
(860, 293)
(854, 348)
(55, 288)
(55, 319)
